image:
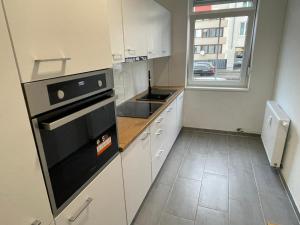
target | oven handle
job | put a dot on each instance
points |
(60, 122)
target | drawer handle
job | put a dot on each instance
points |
(146, 135)
(80, 210)
(131, 51)
(159, 132)
(160, 120)
(170, 109)
(36, 222)
(53, 59)
(159, 154)
(117, 56)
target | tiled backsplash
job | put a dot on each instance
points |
(130, 79)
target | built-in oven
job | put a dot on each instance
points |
(74, 124)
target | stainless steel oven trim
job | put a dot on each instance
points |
(37, 96)
(56, 211)
(76, 115)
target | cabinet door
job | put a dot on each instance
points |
(101, 202)
(116, 30)
(55, 38)
(166, 32)
(136, 161)
(23, 195)
(179, 112)
(135, 23)
(171, 125)
(154, 34)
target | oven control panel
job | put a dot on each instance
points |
(67, 90)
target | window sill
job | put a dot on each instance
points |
(231, 89)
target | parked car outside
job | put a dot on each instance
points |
(204, 69)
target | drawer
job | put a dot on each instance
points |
(102, 200)
(157, 161)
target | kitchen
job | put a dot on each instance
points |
(149, 112)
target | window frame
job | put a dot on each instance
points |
(244, 76)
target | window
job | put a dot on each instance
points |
(221, 37)
(243, 28)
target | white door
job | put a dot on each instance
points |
(136, 161)
(55, 38)
(116, 30)
(101, 202)
(135, 23)
(23, 195)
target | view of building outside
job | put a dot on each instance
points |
(219, 44)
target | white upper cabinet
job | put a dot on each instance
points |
(54, 38)
(135, 23)
(116, 30)
(159, 31)
(166, 32)
(23, 195)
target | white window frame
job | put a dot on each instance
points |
(220, 84)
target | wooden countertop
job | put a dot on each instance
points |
(130, 128)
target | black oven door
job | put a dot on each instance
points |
(77, 141)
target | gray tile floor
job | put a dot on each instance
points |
(215, 179)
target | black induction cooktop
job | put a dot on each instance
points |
(137, 109)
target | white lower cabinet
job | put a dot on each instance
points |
(179, 107)
(171, 125)
(136, 162)
(101, 202)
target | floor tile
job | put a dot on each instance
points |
(243, 212)
(278, 210)
(168, 219)
(218, 143)
(268, 180)
(199, 143)
(153, 205)
(207, 216)
(184, 198)
(170, 169)
(192, 166)
(182, 143)
(239, 159)
(242, 185)
(217, 162)
(214, 192)
(257, 151)
(237, 142)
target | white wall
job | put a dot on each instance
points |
(130, 79)
(223, 110)
(287, 94)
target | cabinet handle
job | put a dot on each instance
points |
(36, 222)
(147, 134)
(131, 51)
(170, 109)
(150, 52)
(80, 210)
(164, 51)
(117, 56)
(159, 154)
(53, 59)
(160, 120)
(159, 132)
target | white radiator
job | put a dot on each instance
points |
(274, 132)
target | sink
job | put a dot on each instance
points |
(157, 95)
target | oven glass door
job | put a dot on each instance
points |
(77, 143)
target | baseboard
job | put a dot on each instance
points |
(221, 132)
(289, 194)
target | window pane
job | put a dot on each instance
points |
(213, 7)
(221, 52)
